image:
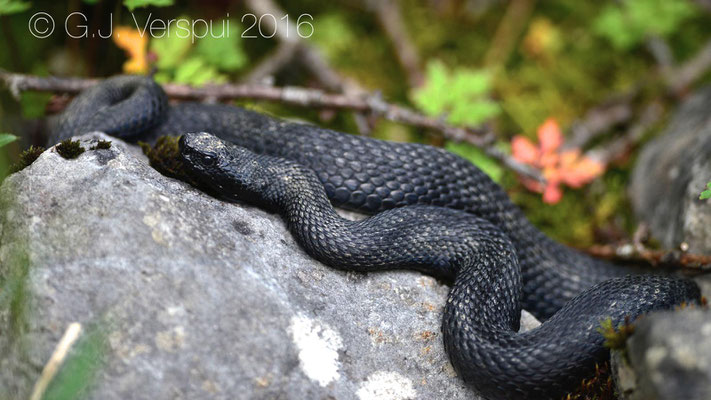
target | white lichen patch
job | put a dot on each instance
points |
(318, 348)
(171, 340)
(386, 385)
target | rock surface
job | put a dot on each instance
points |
(670, 174)
(668, 358)
(199, 298)
(670, 353)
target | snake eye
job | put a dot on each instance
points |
(209, 160)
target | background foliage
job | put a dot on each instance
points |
(509, 64)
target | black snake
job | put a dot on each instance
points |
(434, 212)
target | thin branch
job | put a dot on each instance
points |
(678, 79)
(604, 116)
(392, 23)
(296, 96)
(18, 83)
(629, 253)
(661, 52)
(597, 121)
(309, 56)
(624, 144)
(273, 63)
(286, 32)
(55, 361)
(508, 32)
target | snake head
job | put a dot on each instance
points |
(229, 170)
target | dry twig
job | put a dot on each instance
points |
(55, 361)
(622, 145)
(630, 253)
(392, 23)
(297, 96)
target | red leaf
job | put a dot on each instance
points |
(523, 150)
(581, 172)
(549, 136)
(552, 194)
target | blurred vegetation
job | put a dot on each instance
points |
(510, 65)
(507, 64)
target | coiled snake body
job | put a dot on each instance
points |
(434, 212)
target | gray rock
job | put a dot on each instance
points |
(669, 358)
(199, 298)
(671, 172)
(670, 353)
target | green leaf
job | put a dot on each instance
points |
(6, 138)
(81, 367)
(334, 36)
(195, 71)
(8, 7)
(478, 158)
(706, 194)
(222, 47)
(133, 4)
(170, 49)
(461, 95)
(628, 23)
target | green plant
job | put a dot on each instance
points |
(133, 4)
(477, 157)
(101, 145)
(69, 149)
(629, 22)
(27, 157)
(6, 138)
(79, 369)
(181, 60)
(706, 194)
(8, 7)
(616, 338)
(460, 95)
(164, 156)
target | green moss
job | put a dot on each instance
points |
(27, 157)
(101, 145)
(69, 149)
(600, 385)
(164, 156)
(616, 338)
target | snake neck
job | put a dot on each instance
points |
(297, 195)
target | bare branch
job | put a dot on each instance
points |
(617, 109)
(309, 56)
(273, 63)
(678, 79)
(390, 19)
(597, 121)
(624, 144)
(508, 32)
(296, 96)
(674, 258)
(661, 52)
(286, 32)
(55, 361)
